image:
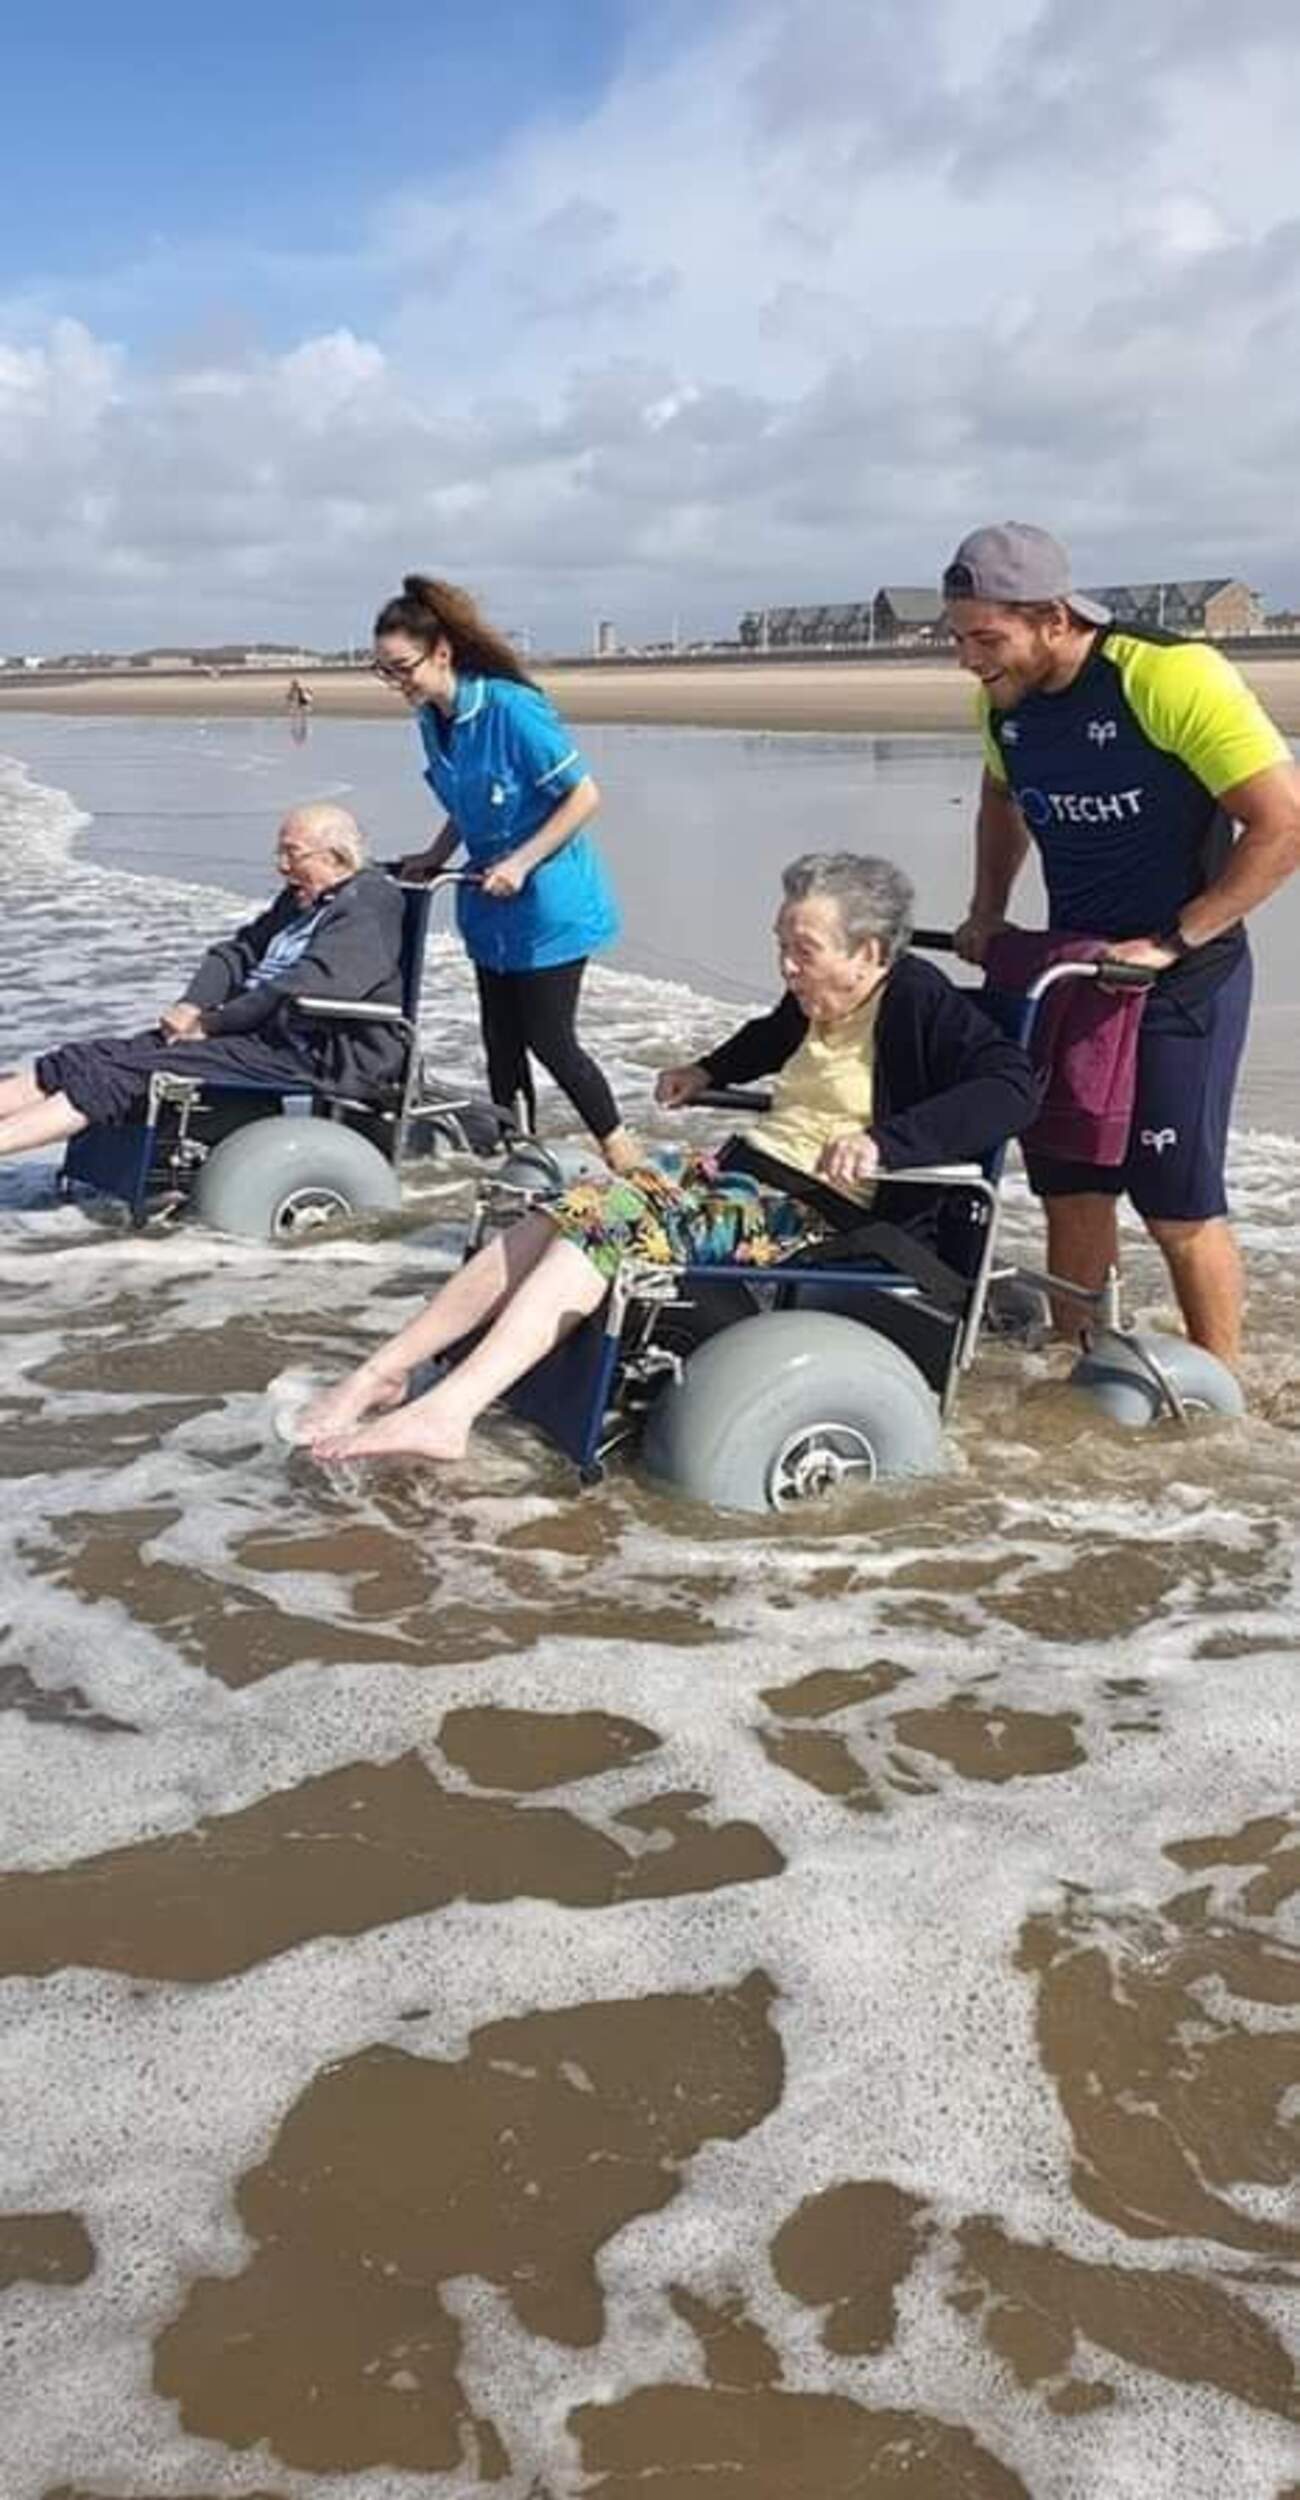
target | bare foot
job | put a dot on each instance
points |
(343, 1406)
(416, 1431)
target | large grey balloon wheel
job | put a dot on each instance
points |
(788, 1408)
(281, 1179)
(1113, 1376)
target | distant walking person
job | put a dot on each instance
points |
(1165, 806)
(518, 795)
(298, 697)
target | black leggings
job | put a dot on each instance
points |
(534, 1011)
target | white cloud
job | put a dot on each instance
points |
(788, 312)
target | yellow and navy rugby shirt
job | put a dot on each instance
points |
(1119, 779)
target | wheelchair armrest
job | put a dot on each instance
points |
(934, 1175)
(731, 1098)
(353, 1011)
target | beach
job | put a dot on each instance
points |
(868, 695)
(569, 1993)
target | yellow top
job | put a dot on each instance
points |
(825, 1091)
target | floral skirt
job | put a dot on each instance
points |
(682, 1210)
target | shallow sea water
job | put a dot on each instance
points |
(503, 1989)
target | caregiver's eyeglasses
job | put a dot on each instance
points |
(398, 672)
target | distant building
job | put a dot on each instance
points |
(225, 655)
(604, 639)
(845, 624)
(907, 615)
(1216, 608)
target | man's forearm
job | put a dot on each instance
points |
(1267, 851)
(1260, 863)
(1001, 843)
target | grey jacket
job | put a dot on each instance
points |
(354, 952)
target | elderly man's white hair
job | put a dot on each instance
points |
(327, 828)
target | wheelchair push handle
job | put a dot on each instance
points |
(1104, 970)
(1122, 976)
(445, 877)
(730, 1098)
(1111, 974)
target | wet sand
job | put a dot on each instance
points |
(872, 695)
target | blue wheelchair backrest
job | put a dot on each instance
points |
(417, 903)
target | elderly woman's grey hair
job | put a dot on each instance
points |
(329, 828)
(873, 897)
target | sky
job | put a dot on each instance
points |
(648, 310)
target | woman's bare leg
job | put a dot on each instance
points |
(40, 1123)
(475, 1293)
(18, 1091)
(559, 1291)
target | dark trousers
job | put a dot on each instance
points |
(523, 1012)
(107, 1079)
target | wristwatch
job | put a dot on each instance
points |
(1173, 938)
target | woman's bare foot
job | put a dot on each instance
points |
(427, 1428)
(361, 1393)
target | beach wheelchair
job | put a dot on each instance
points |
(771, 1388)
(275, 1163)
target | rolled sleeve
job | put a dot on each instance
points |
(542, 748)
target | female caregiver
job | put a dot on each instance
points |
(517, 795)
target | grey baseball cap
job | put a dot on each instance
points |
(1015, 564)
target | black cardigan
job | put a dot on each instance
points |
(947, 1084)
(354, 952)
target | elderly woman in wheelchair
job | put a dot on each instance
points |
(334, 928)
(880, 1064)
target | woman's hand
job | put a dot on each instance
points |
(507, 876)
(676, 1086)
(420, 867)
(848, 1161)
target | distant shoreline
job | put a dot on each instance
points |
(833, 695)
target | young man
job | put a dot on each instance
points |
(1165, 806)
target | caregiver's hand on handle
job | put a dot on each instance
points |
(971, 938)
(507, 876)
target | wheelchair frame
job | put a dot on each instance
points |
(150, 1165)
(590, 1395)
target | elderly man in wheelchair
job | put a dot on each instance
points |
(882, 1067)
(305, 1001)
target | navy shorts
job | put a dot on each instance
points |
(1188, 1056)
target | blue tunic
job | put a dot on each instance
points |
(501, 766)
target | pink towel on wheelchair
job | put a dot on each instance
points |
(1084, 1043)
